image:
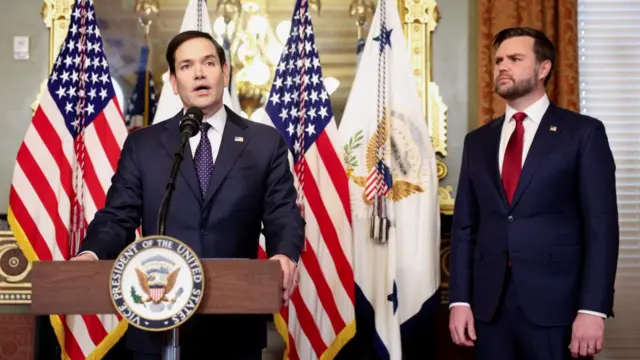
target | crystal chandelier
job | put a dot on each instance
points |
(255, 48)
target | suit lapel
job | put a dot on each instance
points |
(171, 141)
(547, 132)
(493, 163)
(234, 141)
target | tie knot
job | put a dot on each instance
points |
(204, 127)
(519, 116)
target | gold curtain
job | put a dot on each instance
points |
(558, 20)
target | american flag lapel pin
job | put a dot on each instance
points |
(553, 128)
(238, 139)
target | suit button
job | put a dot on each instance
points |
(510, 218)
(203, 232)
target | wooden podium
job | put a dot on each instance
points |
(230, 287)
(82, 287)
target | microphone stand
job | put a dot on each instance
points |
(171, 346)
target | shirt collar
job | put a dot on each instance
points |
(217, 120)
(535, 111)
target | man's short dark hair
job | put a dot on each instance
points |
(185, 36)
(543, 48)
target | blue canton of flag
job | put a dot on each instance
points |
(299, 103)
(80, 80)
(143, 102)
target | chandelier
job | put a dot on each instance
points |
(255, 48)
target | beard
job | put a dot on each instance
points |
(519, 88)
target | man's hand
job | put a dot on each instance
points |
(291, 276)
(84, 257)
(586, 335)
(461, 325)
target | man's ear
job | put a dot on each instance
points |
(174, 85)
(545, 69)
(225, 73)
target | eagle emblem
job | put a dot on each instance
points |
(157, 277)
(395, 188)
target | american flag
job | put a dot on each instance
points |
(142, 104)
(320, 318)
(64, 168)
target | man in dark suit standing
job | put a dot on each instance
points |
(535, 232)
(234, 180)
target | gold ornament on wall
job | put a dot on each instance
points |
(420, 18)
(14, 270)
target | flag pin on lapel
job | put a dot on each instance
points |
(238, 139)
(553, 128)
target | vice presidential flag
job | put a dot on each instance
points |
(64, 167)
(393, 184)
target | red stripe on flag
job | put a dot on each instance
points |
(308, 324)
(71, 346)
(47, 197)
(312, 266)
(292, 351)
(107, 139)
(52, 141)
(93, 183)
(328, 231)
(29, 227)
(262, 254)
(336, 172)
(95, 328)
(120, 115)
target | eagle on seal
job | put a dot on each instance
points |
(156, 286)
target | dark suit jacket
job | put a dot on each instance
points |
(560, 233)
(251, 183)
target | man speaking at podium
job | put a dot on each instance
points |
(234, 179)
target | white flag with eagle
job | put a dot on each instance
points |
(393, 184)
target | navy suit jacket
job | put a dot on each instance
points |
(251, 184)
(560, 232)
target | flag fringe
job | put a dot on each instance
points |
(283, 330)
(347, 333)
(106, 344)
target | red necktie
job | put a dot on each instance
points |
(512, 163)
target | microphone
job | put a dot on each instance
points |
(190, 124)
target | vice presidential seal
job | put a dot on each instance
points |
(157, 283)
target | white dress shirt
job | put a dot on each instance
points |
(535, 112)
(217, 122)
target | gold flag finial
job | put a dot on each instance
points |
(146, 11)
(361, 10)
